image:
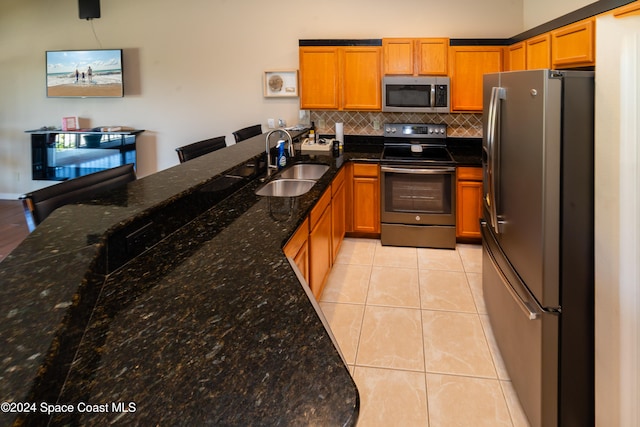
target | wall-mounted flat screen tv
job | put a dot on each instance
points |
(84, 73)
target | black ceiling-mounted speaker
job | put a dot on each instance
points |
(89, 9)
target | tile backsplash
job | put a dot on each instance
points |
(371, 123)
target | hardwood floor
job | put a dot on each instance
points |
(13, 227)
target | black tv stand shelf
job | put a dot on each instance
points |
(58, 155)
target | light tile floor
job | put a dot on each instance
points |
(412, 326)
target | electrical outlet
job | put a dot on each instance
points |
(271, 123)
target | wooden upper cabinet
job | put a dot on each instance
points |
(361, 82)
(516, 57)
(415, 57)
(574, 45)
(340, 77)
(319, 77)
(398, 56)
(467, 65)
(539, 52)
(432, 56)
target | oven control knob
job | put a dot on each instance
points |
(417, 217)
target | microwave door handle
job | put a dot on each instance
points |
(433, 96)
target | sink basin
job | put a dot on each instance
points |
(304, 171)
(286, 187)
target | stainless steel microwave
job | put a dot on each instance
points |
(423, 94)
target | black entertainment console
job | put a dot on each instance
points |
(58, 155)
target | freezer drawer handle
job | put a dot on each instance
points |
(527, 307)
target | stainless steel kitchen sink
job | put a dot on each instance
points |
(304, 171)
(285, 187)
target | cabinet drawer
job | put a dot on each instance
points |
(319, 208)
(363, 169)
(469, 174)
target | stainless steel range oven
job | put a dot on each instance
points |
(418, 187)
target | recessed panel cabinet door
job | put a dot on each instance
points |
(366, 198)
(516, 57)
(319, 77)
(432, 56)
(398, 56)
(468, 202)
(539, 52)
(467, 66)
(574, 45)
(320, 252)
(361, 78)
(338, 212)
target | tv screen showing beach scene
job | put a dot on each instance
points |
(84, 73)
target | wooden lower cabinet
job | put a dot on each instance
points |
(338, 216)
(297, 248)
(365, 199)
(469, 203)
(315, 244)
(320, 258)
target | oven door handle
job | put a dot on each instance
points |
(425, 171)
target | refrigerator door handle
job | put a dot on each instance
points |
(529, 306)
(493, 160)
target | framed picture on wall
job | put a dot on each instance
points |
(282, 83)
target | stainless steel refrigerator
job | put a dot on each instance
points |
(537, 236)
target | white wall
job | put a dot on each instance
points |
(537, 12)
(194, 69)
(617, 214)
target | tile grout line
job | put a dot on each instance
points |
(364, 310)
(424, 352)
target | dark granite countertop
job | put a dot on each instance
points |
(206, 324)
(466, 151)
(210, 325)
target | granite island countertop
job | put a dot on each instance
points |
(210, 325)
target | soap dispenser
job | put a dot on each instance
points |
(282, 158)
